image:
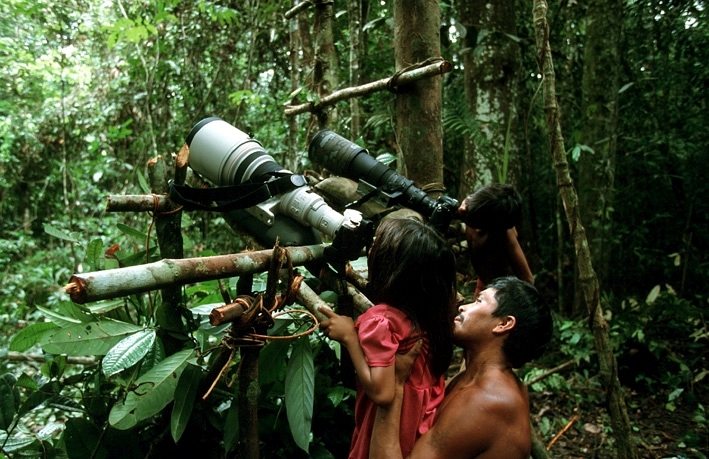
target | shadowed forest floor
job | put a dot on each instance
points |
(661, 433)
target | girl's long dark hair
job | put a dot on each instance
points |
(412, 268)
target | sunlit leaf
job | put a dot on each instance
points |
(652, 296)
(129, 351)
(88, 338)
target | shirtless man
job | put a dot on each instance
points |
(485, 413)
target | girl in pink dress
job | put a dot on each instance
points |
(412, 284)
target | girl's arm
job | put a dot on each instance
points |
(377, 382)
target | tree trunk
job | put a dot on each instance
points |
(599, 108)
(169, 234)
(325, 65)
(418, 108)
(491, 91)
(589, 283)
(294, 46)
(354, 12)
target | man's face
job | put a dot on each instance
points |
(475, 320)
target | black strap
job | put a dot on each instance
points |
(233, 197)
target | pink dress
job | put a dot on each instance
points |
(383, 332)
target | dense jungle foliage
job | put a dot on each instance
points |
(90, 91)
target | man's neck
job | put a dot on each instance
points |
(479, 363)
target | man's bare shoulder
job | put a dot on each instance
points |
(489, 418)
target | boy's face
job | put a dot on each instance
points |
(476, 238)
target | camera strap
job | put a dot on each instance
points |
(233, 197)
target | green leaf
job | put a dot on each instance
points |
(88, 338)
(94, 255)
(25, 381)
(231, 427)
(16, 443)
(128, 231)
(300, 389)
(155, 355)
(129, 351)
(56, 232)
(57, 318)
(151, 393)
(82, 439)
(185, 394)
(272, 361)
(30, 335)
(35, 399)
(9, 400)
(143, 183)
(652, 296)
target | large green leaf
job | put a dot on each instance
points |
(9, 400)
(300, 389)
(56, 232)
(150, 393)
(155, 355)
(231, 427)
(129, 351)
(30, 335)
(58, 319)
(88, 338)
(94, 255)
(185, 394)
(82, 439)
(272, 362)
(16, 442)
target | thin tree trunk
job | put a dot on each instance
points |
(354, 12)
(169, 234)
(325, 66)
(247, 395)
(295, 83)
(419, 130)
(599, 108)
(589, 283)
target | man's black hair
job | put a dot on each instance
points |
(534, 325)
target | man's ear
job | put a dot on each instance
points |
(506, 324)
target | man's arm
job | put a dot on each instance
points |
(377, 382)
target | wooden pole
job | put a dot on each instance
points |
(113, 283)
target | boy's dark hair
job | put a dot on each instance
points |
(412, 268)
(493, 207)
(534, 326)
